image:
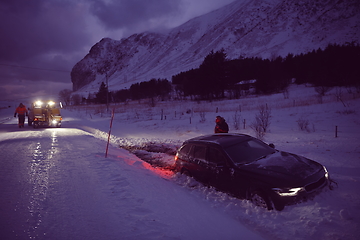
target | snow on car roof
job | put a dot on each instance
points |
(223, 139)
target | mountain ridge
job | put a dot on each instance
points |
(243, 28)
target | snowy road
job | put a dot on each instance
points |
(48, 189)
(56, 184)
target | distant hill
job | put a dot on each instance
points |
(246, 28)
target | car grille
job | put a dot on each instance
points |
(313, 186)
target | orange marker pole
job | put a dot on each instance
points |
(108, 141)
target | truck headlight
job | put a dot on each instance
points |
(38, 104)
(54, 121)
(288, 192)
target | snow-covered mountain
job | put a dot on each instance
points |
(243, 28)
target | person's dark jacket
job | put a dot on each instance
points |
(221, 125)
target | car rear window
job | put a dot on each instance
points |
(184, 150)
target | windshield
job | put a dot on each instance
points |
(248, 151)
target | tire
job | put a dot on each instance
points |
(186, 172)
(261, 200)
(35, 125)
(279, 206)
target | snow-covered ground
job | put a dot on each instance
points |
(56, 183)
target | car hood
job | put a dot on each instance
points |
(285, 166)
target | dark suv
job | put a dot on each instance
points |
(250, 169)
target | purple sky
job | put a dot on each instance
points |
(41, 40)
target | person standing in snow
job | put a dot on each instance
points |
(21, 111)
(221, 125)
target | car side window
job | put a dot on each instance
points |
(216, 156)
(199, 152)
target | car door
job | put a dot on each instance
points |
(222, 173)
(199, 165)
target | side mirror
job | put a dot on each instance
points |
(272, 145)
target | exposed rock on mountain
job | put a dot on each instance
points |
(245, 28)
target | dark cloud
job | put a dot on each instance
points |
(37, 27)
(41, 40)
(127, 13)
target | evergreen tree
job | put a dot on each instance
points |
(102, 94)
(122, 95)
(334, 66)
(212, 75)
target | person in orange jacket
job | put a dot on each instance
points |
(21, 111)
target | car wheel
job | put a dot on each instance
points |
(261, 200)
(279, 206)
(35, 125)
(186, 172)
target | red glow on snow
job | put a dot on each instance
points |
(164, 173)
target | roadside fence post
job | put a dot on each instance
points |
(336, 131)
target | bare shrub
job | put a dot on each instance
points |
(202, 117)
(286, 93)
(76, 99)
(262, 121)
(322, 90)
(346, 112)
(152, 102)
(100, 110)
(338, 94)
(303, 124)
(258, 130)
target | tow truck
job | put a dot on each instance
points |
(45, 113)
